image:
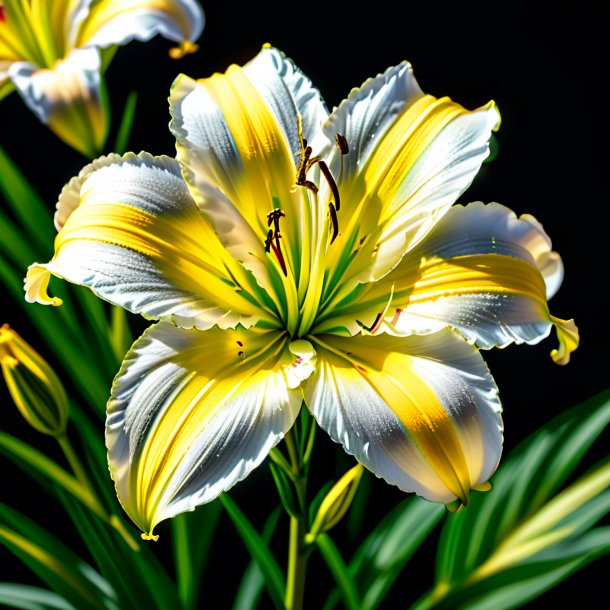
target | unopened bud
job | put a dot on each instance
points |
(337, 501)
(33, 385)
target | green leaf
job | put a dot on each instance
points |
(253, 581)
(130, 570)
(338, 569)
(515, 587)
(129, 113)
(274, 580)
(54, 563)
(25, 597)
(20, 452)
(525, 520)
(25, 202)
(286, 491)
(191, 555)
(388, 549)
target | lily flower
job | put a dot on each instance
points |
(294, 256)
(49, 53)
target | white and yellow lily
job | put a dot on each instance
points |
(49, 54)
(294, 256)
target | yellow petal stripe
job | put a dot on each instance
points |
(394, 376)
(102, 13)
(178, 245)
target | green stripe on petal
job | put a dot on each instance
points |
(192, 413)
(420, 412)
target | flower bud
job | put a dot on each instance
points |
(337, 501)
(33, 385)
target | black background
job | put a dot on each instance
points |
(547, 68)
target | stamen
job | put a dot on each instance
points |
(331, 183)
(342, 144)
(334, 221)
(396, 316)
(272, 241)
(380, 316)
(268, 241)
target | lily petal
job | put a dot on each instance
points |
(132, 233)
(421, 412)
(68, 98)
(237, 159)
(191, 414)
(483, 272)
(288, 92)
(369, 111)
(415, 168)
(120, 21)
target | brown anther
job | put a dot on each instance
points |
(240, 354)
(375, 326)
(342, 144)
(240, 344)
(334, 221)
(331, 183)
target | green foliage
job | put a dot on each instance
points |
(524, 537)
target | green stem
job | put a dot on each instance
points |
(297, 555)
(297, 565)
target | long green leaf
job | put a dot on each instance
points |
(259, 551)
(337, 567)
(26, 597)
(20, 452)
(387, 550)
(26, 203)
(520, 530)
(191, 555)
(122, 140)
(253, 581)
(128, 571)
(54, 562)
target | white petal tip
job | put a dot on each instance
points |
(36, 284)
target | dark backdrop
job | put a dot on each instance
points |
(547, 68)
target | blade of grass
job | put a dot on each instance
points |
(339, 570)
(129, 113)
(257, 548)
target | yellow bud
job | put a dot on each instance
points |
(337, 501)
(33, 385)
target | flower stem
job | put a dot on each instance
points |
(297, 559)
(297, 552)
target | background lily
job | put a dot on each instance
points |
(49, 54)
(294, 255)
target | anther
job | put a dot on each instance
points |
(334, 221)
(375, 326)
(342, 144)
(331, 183)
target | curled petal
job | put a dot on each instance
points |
(191, 414)
(421, 412)
(482, 271)
(68, 97)
(131, 232)
(120, 21)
